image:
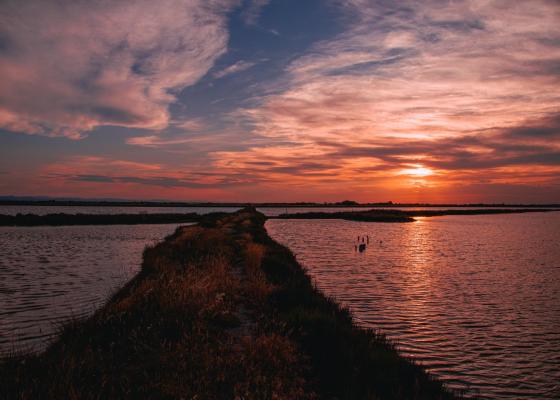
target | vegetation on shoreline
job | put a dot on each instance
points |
(50, 202)
(371, 215)
(219, 311)
(96, 219)
(367, 216)
(375, 215)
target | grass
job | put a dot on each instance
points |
(218, 311)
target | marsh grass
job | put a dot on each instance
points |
(258, 286)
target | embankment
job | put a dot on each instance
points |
(391, 215)
(218, 311)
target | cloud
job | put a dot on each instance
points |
(69, 66)
(429, 99)
(548, 128)
(377, 160)
(193, 124)
(234, 68)
(466, 89)
(194, 137)
(163, 181)
(155, 141)
(103, 170)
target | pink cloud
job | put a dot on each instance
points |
(104, 172)
(68, 67)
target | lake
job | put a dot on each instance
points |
(270, 211)
(44, 210)
(50, 274)
(475, 299)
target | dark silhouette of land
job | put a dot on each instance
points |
(401, 215)
(346, 203)
(370, 215)
(219, 311)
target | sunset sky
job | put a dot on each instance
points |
(281, 100)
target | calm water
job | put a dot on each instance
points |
(44, 210)
(476, 299)
(271, 211)
(48, 274)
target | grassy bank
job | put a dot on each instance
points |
(218, 311)
(96, 219)
(391, 215)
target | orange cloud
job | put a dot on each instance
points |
(452, 89)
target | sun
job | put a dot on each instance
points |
(417, 171)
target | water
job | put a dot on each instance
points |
(49, 274)
(270, 211)
(476, 299)
(44, 210)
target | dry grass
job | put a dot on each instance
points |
(258, 286)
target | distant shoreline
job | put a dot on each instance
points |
(369, 215)
(373, 215)
(97, 203)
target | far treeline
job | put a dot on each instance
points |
(345, 203)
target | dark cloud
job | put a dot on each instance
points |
(546, 128)
(261, 163)
(93, 178)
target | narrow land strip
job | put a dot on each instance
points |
(391, 215)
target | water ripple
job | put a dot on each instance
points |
(49, 274)
(475, 299)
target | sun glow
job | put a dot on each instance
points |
(417, 171)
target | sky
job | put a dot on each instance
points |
(281, 100)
